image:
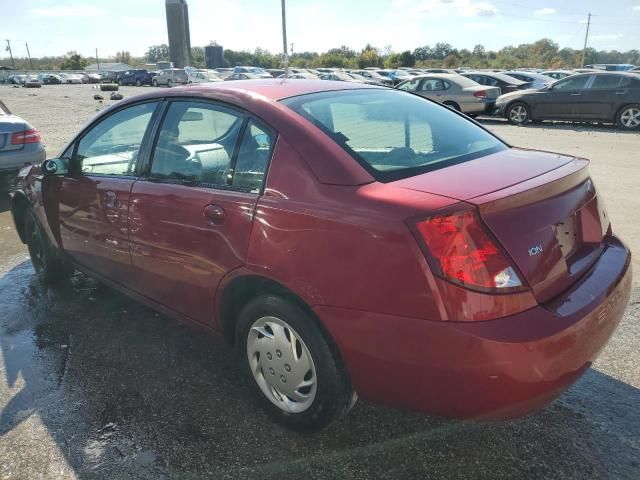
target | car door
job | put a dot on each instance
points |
(564, 100)
(93, 205)
(601, 99)
(432, 88)
(191, 214)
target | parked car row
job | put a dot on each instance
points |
(54, 78)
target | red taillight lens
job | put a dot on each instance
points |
(480, 94)
(463, 252)
(26, 136)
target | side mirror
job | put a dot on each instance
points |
(55, 166)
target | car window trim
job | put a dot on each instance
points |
(145, 138)
(245, 115)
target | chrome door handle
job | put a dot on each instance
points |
(215, 214)
(576, 94)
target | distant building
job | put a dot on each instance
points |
(108, 67)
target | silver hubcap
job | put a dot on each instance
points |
(630, 118)
(518, 114)
(281, 365)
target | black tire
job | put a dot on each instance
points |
(169, 83)
(626, 115)
(46, 261)
(334, 395)
(453, 105)
(518, 113)
(154, 82)
(138, 83)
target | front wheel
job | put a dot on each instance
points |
(629, 117)
(169, 83)
(46, 261)
(518, 114)
(154, 83)
(294, 369)
(138, 83)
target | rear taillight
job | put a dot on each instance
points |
(462, 251)
(480, 94)
(26, 136)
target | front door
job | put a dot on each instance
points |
(93, 205)
(191, 216)
(564, 100)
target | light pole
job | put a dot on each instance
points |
(284, 40)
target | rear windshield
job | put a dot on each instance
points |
(395, 134)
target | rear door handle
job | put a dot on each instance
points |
(576, 94)
(621, 92)
(215, 214)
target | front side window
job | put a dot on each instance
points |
(431, 85)
(112, 146)
(572, 83)
(393, 134)
(409, 85)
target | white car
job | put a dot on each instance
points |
(70, 78)
(204, 76)
(535, 80)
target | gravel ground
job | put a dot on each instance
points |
(94, 385)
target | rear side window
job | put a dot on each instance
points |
(605, 82)
(211, 146)
(393, 134)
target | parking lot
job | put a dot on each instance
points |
(94, 385)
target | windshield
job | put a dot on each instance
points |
(395, 134)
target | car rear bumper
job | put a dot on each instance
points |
(14, 160)
(494, 369)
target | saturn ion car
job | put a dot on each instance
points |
(349, 240)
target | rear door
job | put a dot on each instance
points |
(564, 100)
(601, 99)
(191, 214)
(93, 208)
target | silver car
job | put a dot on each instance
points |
(170, 77)
(20, 143)
(455, 91)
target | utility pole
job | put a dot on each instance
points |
(8, 49)
(97, 60)
(586, 37)
(29, 55)
(284, 41)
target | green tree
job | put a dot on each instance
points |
(157, 53)
(407, 59)
(369, 57)
(73, 61)
(123, 57)
(393, 61)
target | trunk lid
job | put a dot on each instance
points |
(542, 208)
(492, 92)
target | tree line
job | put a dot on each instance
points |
(544, 53)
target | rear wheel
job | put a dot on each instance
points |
(46, 261)
(293, 368)
(518, 114)
(629, 117)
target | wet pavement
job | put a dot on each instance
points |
(94, 385)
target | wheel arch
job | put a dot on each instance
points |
(241, 289)
(19, 206)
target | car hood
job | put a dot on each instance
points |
(518, 94)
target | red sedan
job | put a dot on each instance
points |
(351, 240)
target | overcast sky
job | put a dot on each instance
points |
(56, 27)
